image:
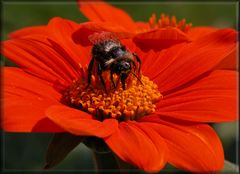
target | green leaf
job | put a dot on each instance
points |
(59, 147)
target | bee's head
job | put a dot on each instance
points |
(122, 67)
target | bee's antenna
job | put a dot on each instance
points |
(136, 77)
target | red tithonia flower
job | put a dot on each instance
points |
(158, 33)
(146, 125)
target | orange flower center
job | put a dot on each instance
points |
(166, 21)
(135, 101)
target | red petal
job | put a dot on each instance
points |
(61, 31)
(80, 123)
(104, 12)
(142, 25)
(229, 63)
(192, 60)
(139, 145)
(192, 147)
(211, 99)
(155, 63)
(25, 100)
(39, 59)
(16, 80)
(198, 32)
(29, 31)
(160, 38)
(54, 57)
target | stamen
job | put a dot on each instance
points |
(152, 21)
(130, 104)
(166, 21)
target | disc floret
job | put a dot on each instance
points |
(129, 104)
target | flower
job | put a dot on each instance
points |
(155, 34)
(192, 90)
(150, 35)
(104, 16)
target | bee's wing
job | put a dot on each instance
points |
(102, 36)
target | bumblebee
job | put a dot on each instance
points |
(108, 53)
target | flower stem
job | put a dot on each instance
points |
(106, 163)
(126, 168)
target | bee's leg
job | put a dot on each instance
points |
(101, 77)
(134, 66)
(90, 67)
(118, 80)
(139, 62)
(123, 79)
(111, 76)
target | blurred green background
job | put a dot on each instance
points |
(26, 152)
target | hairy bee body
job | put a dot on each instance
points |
(110, 54)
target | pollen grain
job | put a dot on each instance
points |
(130, 104)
